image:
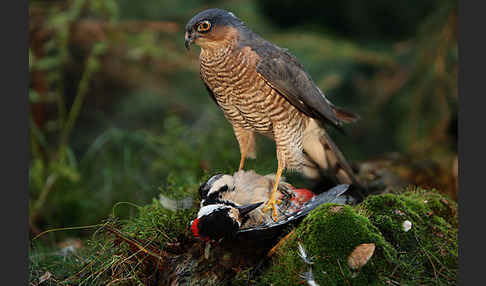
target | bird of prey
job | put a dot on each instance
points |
(263, 89)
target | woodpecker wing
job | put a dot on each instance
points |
(334, 195)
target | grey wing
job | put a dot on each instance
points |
(284, 73)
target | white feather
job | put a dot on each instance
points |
(309, 278)
(209, 209)
(304, 256)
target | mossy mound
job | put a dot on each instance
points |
(158, 224)
(424, 255)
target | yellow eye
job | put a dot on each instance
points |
(204, 26)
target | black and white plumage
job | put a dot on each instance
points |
(224, 199)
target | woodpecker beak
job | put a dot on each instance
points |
(188, 40)
(245, 209)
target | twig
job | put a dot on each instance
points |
(272, 251)
(133, 242)
(342, 272)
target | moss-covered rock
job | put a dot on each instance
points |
(424, 254)
(330, 233)
(429, 251)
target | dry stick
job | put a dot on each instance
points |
(133, 242)
(342, 272)
(66, 228)
(79, 272)
(272, 251)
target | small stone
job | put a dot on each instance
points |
(407, 225)
(360, 255)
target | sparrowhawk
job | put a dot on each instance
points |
(262, 88)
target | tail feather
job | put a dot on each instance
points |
(325, 156)
(344, 115)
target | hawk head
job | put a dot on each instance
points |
(212, 28)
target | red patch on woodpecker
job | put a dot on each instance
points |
(195, 228)
(302, 195)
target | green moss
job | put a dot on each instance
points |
(158, 224)
(330, 233)
(425, 254)
(151, 228)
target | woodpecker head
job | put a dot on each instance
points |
(217, 221)
(214, 188)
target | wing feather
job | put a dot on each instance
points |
(284, 73)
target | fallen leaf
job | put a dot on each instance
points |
(335, 209)
(360, 255)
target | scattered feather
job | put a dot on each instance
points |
(309, 277)
(174, 205)
(303, 255)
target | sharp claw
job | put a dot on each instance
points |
(273, 205)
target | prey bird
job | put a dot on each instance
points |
(263, 89)
(231, 205)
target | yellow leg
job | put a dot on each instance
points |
(242, 161)
(246, 141)
(272, 202)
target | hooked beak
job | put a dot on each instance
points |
(248, 208)
(188, 40)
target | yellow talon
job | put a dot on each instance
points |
(273, 196)
(272, 204)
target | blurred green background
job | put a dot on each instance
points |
(118, 112)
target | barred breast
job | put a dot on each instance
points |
(246, 99)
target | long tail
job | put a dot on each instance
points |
(325, 156)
